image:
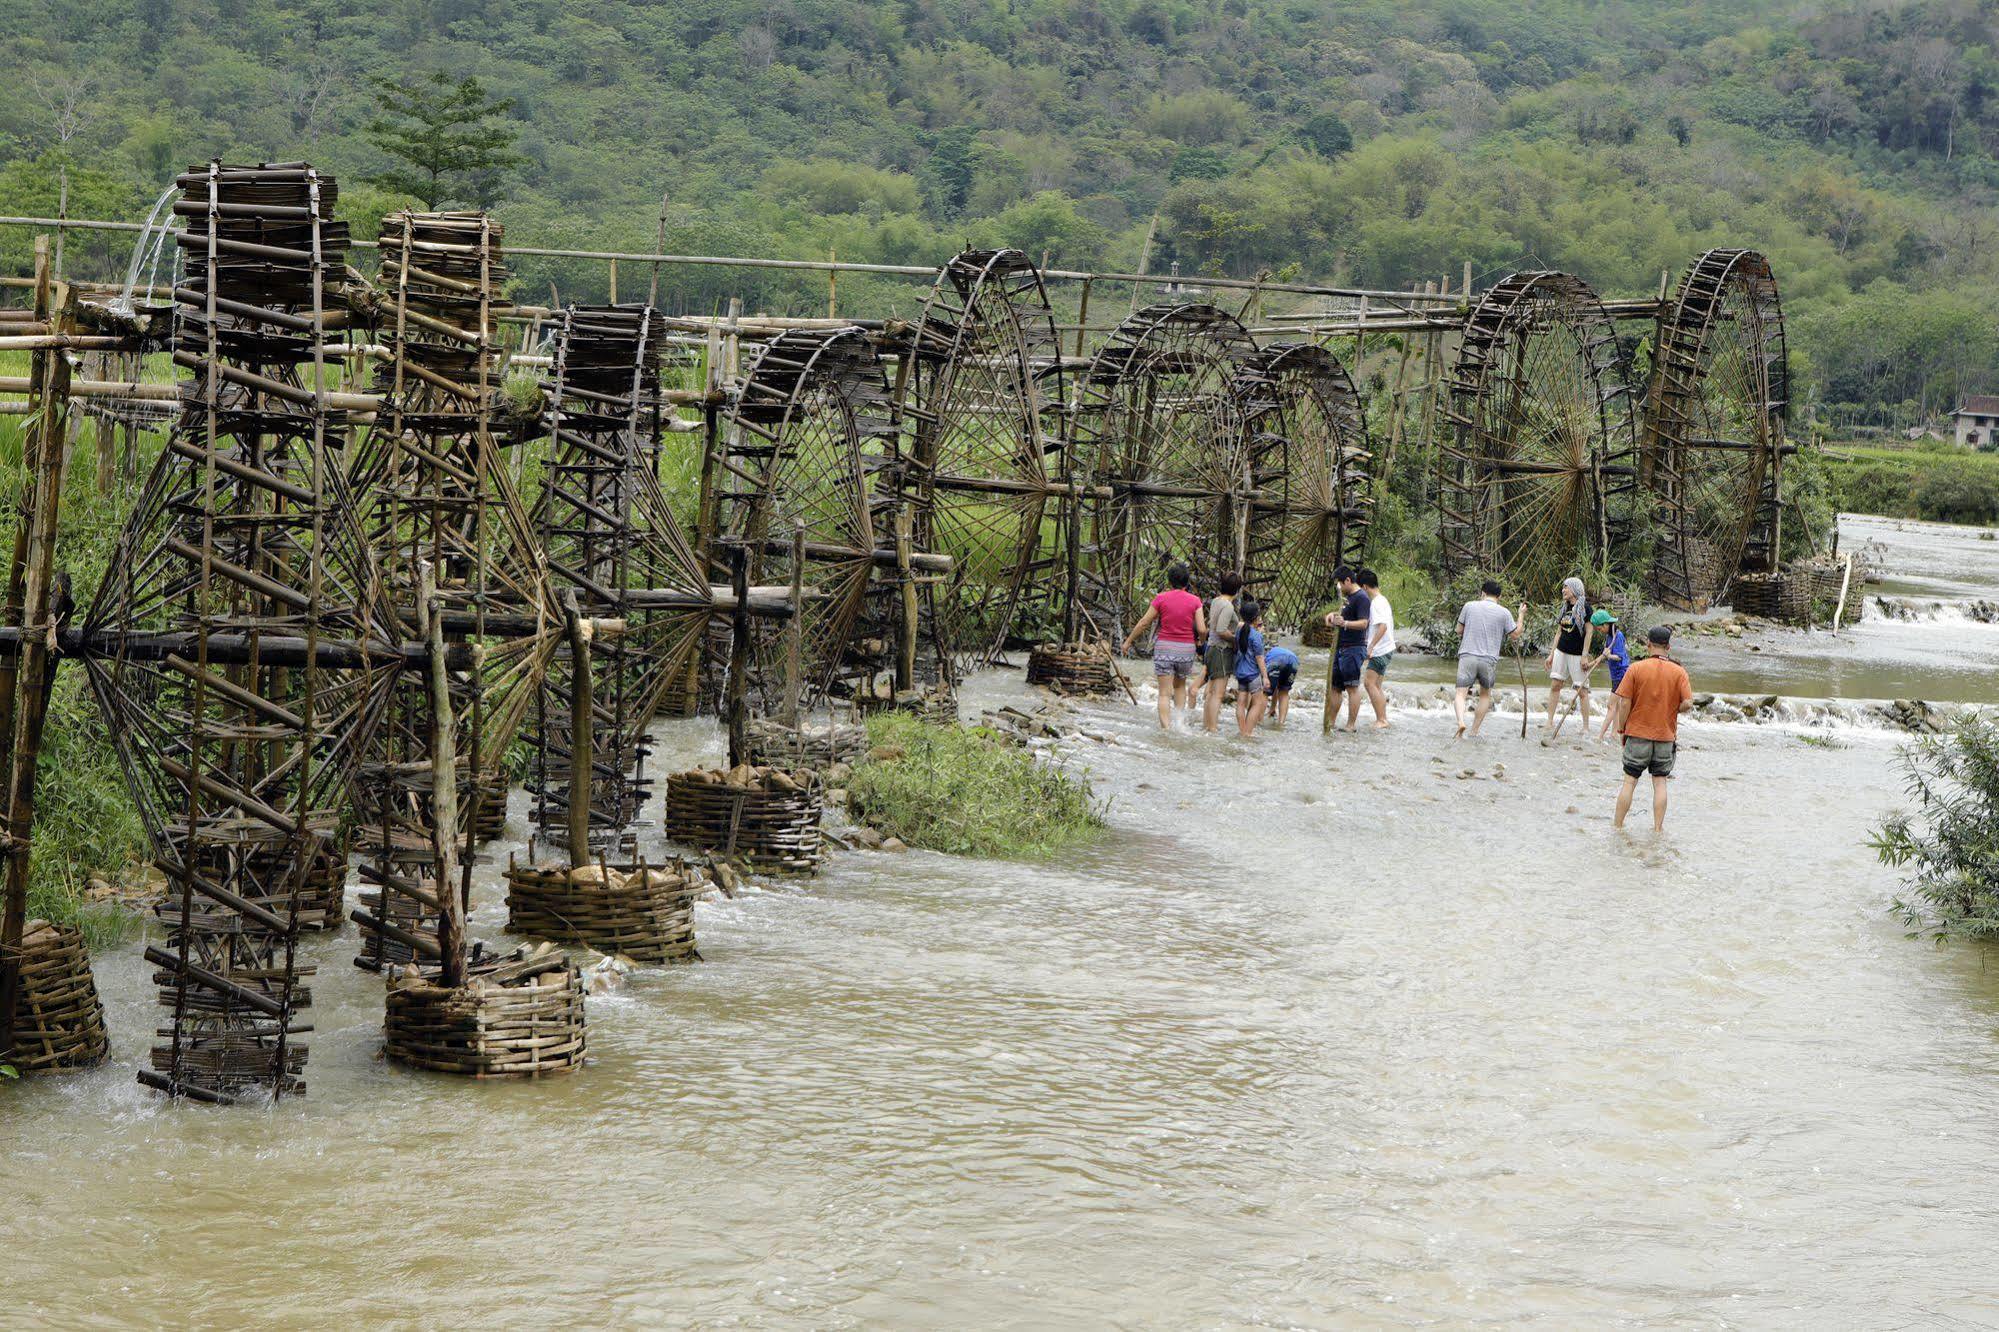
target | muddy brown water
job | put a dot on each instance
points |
(1319, 1034)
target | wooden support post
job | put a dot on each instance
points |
(905, 647)
(1840, 606)
(1083, 314)
(581, 741)
(832, 285)
(738, 708)
(443, 785)
(34, 672)
(1073, 575)
(1144, 258)
(794, 630)
(658, 247)
(17, 568)
(614, 282)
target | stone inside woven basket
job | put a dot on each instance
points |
(765, 817)
(643, 912)
(59, 1022)
(518, 1016)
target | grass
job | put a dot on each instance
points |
(1941, 483)
(967, 791)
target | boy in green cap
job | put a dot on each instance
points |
(1616, 654)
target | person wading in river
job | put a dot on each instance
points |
(1252, 677)
(1614, 655)
(1218, 660)
(1566, 661)
(1350, 648)
(1483, 628)
(1182, 624)
(1380, 645)
(1649, 702)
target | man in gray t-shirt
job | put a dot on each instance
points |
(1483, 628)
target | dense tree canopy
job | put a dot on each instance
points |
(1380, 142)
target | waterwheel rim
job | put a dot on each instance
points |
(1715, 414)
(1310, 463)
(1160, 433)
(1542, 435)
(809, 424)
(986, 469)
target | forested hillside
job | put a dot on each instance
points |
(1379, 143)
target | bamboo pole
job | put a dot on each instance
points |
(794, 631)
(581, 741)
(739, 657)
(34, 674)
(905, 648)
(443, 786)
(17, 567)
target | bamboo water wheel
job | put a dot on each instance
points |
(1537, 466)
(612, 540)
(984, 469)
(805, 449)
(245, 651)
(438, 503)
(1714, 428)
(1312, 496)
(1170, 470)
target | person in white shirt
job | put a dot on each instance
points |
(1380, 645)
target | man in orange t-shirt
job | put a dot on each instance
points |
(1649, 702)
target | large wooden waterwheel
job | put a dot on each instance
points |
(807, 446)
(1714, 428)
(1158, 430)
(1537, 461)
(1312, 497)
(985, 471)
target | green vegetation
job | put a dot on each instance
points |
(968, 791)
(1370, 142)
(1940, 482)
(1950, 843)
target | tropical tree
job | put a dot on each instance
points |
(443, 140)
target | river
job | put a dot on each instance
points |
(1321, 1033)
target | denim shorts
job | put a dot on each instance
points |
(1379, 665)
(1653, 756)
(1347, 666)
(1174, 659)
(1477, 670)
(1282, 678)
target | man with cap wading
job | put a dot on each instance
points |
(1648, 704)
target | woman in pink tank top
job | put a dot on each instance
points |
(1183, 624)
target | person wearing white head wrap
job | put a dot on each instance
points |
(1568, 658)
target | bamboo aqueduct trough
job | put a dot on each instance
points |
(401, 528)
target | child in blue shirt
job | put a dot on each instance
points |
(1252, 676)
(1615, 654)
(1282, 663)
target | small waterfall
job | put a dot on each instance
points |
(146, 253)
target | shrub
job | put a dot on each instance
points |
(1950, 841)
(967, 791)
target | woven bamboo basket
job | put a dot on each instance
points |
(645, 912)
(773, 744)
(1073, 668)
(1316, 633)
(518, 1017)
(1774, 596)
(59, 1024)
(492, 819)
(765, 817)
